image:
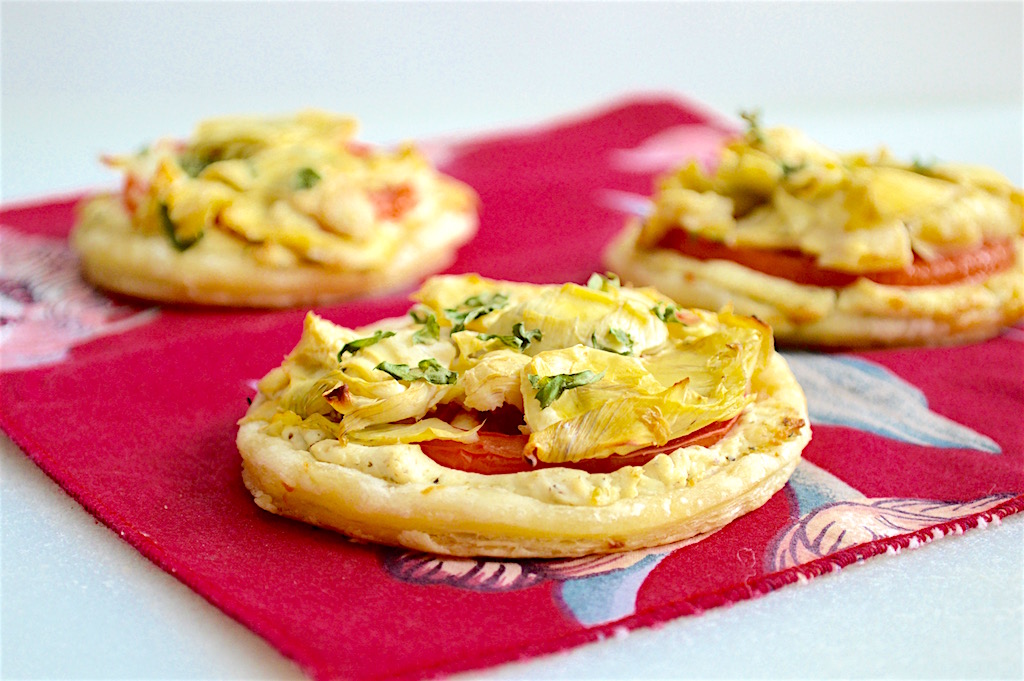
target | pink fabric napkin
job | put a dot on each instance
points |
(132, 410)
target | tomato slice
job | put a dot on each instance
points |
(495, 453)
(983, 261)
(491, 454)
(134, 192)
(393, 201)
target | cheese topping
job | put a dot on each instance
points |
(292, 189)
(857, 213)
(596, 370)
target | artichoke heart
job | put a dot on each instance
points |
(628, 408)
(595, 371)
(492, 381)
(852, 212)
(631, 422)
(411, 403)
(300, 184)
(572, 314)
(406, 433)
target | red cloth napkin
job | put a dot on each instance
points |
(132, 410)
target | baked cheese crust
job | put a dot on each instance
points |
(332, 436)
(855, 214)
(271, 212)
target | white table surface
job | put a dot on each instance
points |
(932, 81)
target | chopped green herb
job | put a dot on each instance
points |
(754, 131)
(430, 332)
(622, 339)
(790, 168)
(922, 167)
(666, 312)
(550, 388)
(172, 233)
(473, 307)
(429, 370)
(193, 164)
(603, 282)
(359, 343)
(520, 338)
(306, 178)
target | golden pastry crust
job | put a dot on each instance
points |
(854, 215)
(220, 270)
(271, 212)
(305, 466)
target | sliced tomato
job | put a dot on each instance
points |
(134, 192)
(360, 149)
(705, 437)
(987, 259)
(491, 454)
(496, 453)
(393, 201)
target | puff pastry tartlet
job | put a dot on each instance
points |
(840, 250)
(519, 420)
(281, 211)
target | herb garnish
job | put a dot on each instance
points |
(922, 167)
(305, 178)
(623, 339)
(753, 119)
(475, 306)
(666, 313)
(359, 343)
(171, 231)
(790, 168)
(608, 281)
(193, 163)
(550, 388)
(429, 370)
(520, 338)
(430, 332)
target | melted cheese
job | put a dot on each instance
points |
(300, 188)
(853, 212)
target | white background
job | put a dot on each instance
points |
(933, 80)
(126, 72)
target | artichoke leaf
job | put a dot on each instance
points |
(620, 375)
(411, 403)
(714, 361)
(574, 314)
(629, 423)
(898, 193)
(449, 292)
(305, 394)
(405, 433)
(315, 422)
(492, 381)
(396, 349)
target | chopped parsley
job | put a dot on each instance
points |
(520, 338)
(305, 178)
(922, 167)
(754, 130)
(359, 343)
(608, 281)
(666, 313)
(474, 307)
(172, 233)
(550, 388)
(193, 163)
(430, 332)
(429, 370)
(791, 168)
(622, 340)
